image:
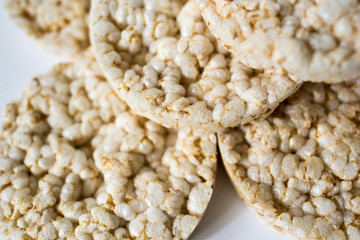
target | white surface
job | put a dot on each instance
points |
(226, 217)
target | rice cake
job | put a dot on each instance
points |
(68, 123)
(159, 181)
(162, 60)
(299, 168)
(310, 40)
(61, 26)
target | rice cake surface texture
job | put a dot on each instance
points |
(310, 40)
(61, 26)
(162, 60)
(299, 168)
(77, 164)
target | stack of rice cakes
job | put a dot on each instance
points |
(80, 161)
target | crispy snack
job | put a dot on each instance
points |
(299, 168)
(167, 66)
(151, 182)
(158, 181)
(310, 40)
(61, 26)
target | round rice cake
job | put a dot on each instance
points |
(61, 26)
(48, 178)
(77, 164)
(163, 61)
(159, 181)
(310, 40)
(299, 168)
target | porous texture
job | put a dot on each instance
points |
(61, 26)
(48, 175)
(158, 181)
(310, 40)
(167, 66)
(299, 168)
(76, 164)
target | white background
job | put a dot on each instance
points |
(226, 217)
